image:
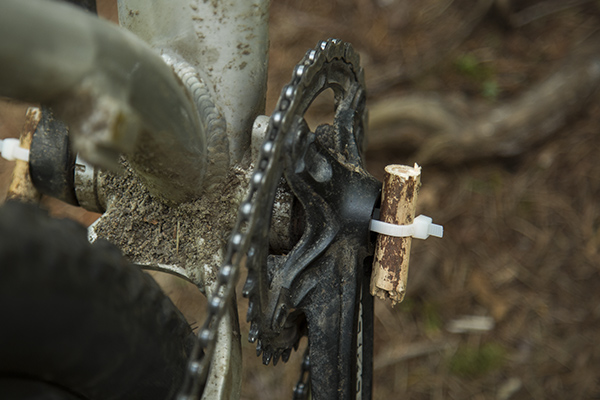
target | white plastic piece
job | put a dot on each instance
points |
(421, 228)
(471, 323)
(11, 150)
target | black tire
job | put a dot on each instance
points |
(80, 317)
(27, 389)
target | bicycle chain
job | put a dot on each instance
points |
(250, 234)
(302, 388)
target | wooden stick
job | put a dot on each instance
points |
(399, 198)
(21, 187)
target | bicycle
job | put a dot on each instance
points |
(303, 223)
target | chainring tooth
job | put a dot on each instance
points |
(253, 334)
(258, 348)
(285, 355)
(266, 357)
(252, 312)
(276, 356)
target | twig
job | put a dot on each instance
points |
(541, 10)
(399, 200)
(405, 352)
(21, 187)
(506, 130)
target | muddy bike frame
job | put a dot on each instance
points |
(118, 92)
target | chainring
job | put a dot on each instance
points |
(316, 288)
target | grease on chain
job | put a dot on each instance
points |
(248, 233)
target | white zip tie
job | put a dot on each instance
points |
(421, 228)
(11, 150)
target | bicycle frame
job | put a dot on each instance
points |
(229, 50)
(227, 43)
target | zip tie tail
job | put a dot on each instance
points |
(11, 150)
(421, 228)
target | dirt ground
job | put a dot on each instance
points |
(520, 254)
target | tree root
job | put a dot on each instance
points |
(454, 131)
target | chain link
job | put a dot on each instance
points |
(302, 388)
(249, 232)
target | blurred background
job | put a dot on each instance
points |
(497, 101)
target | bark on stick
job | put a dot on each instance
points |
(21, 187)
(390, 267)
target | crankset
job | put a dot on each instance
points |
(320, 287)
